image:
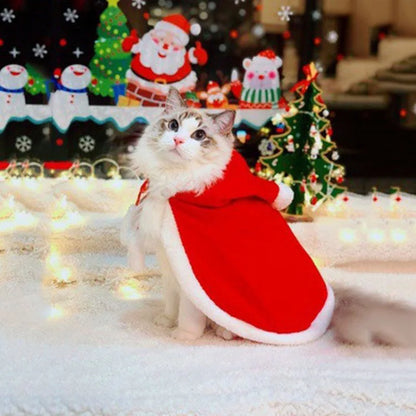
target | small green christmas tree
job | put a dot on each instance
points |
(299, 151)
(110, 63)
(37, 82)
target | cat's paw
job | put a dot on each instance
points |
(224, 333)
(183, 335)
(163, 320)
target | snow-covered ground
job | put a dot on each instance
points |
(91, 348)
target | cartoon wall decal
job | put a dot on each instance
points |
(260, 88)
(161, 60)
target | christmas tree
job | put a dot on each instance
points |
(300, 151)
(110, 63)
(37, 82)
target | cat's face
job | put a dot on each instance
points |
(184, 135)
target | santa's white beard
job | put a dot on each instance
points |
(150, 59)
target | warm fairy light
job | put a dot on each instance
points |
(129, 290)
(60, 208)
(376, 236)
(69, 220)
(347, 235)
(20, 219)
(55, 312)
(8, 207)
(398, 235)
(53, 259)
(63, 275)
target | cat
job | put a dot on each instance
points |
(188, 152)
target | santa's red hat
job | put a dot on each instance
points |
(213, 87)
(179, 26)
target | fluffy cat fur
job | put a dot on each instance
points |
(194, 165)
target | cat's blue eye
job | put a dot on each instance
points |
(199, 134)
(173, 125)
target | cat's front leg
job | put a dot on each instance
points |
(170, 294)
(191, 321)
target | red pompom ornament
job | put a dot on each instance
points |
(314, 200)
(63, 42)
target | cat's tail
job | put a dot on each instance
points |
(365, 319)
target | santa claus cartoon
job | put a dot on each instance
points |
(260, 88)
(70, 98)
(161, 60)
(13, 78)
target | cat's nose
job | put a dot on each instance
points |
(178, 140)
(165, 46)
(261, 76)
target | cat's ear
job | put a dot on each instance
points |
(174, 101)
(224, 121)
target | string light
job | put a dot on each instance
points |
(129, 290)
(376, 236)
(398, 235)
(55, 312)
(347, 235)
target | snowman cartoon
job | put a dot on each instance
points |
(13, 79)
(70, 99)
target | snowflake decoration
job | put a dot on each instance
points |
(23, 143)
(266, 147)
(86, 143)
(14, 52)
(39, 51)
(71, 15)
(138, 4)
(332, 36)
(7, 15)
(284, 13)
(77, 52)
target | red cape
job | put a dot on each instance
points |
(238, 261)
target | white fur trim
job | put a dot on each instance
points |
(182, 270)
(175, 30)
(284, 198)
(192, 57)
(136, 48)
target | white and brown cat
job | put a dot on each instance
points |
(226, 254)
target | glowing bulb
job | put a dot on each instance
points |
(376, 236)
(53, 260)
(63, 275)
(347, 235)
(398, 235)
(129, 290)
(55, 312)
